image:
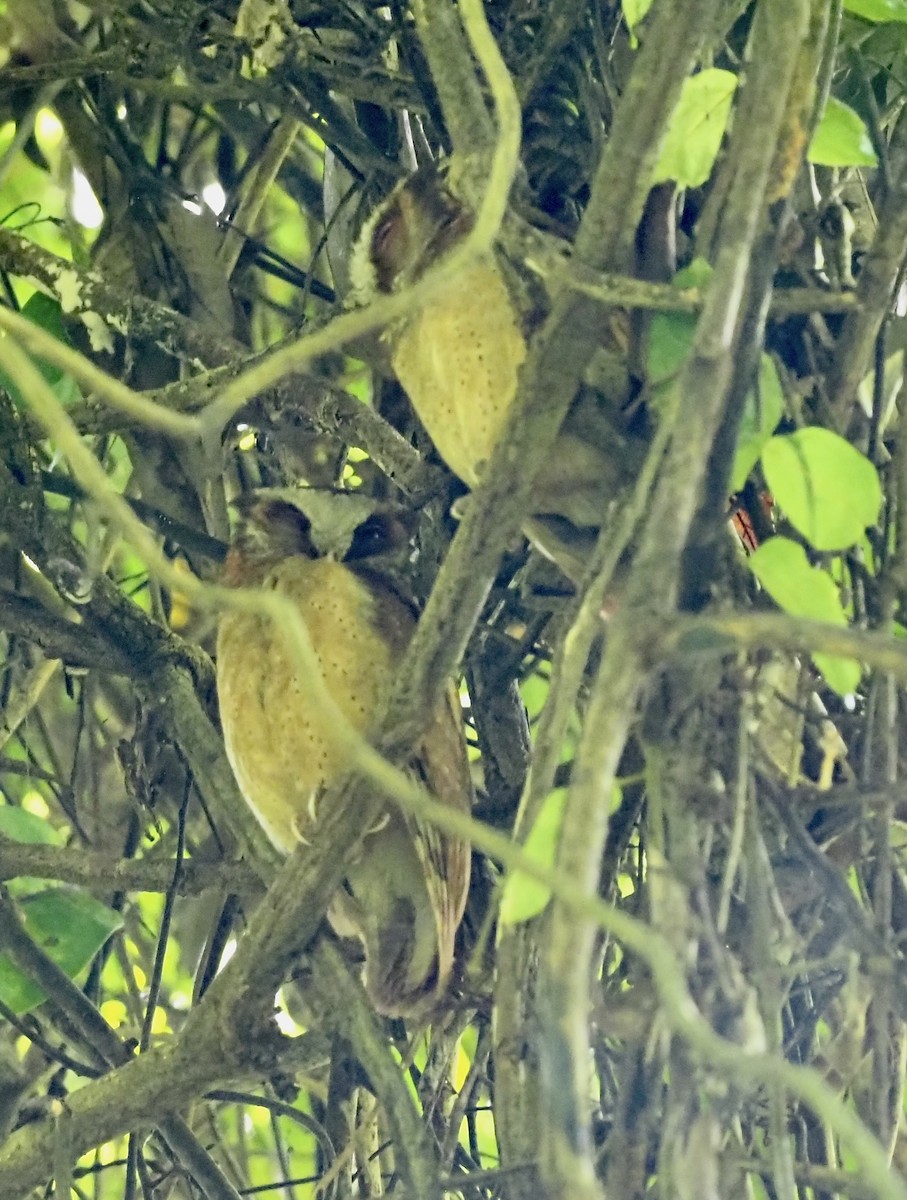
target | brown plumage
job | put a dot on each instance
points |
(406, 890)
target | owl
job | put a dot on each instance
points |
(458, 358)
(458, 355)
(405, 891)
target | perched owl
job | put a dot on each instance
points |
(405, 892)
(457, 357)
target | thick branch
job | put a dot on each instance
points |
(85, 295)
(454, 75)
(95, 872)
(884, 262)
(568, 1164)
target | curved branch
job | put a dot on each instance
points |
(454, 76)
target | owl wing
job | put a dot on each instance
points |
(440, 761)
(443, 766)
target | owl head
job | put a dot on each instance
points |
(414, 226)
(277, 523)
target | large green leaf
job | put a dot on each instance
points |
(634, 11)
(878, 10)
(829, 491)
(696, 128)
(670, 333)
(670, 338)
(802, 590)
(524, 897)
(71, 927)
(46, 313)
(22, 826)
(841, 139)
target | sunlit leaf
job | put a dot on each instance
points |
(696, 128)
(878, 10)
(841, 139)
(763, 411)
(802, 590)
(829, 491)
(525, 897)
(22, 826)
(696, 273)
(71, 927)
(634, 11)
(889, 389)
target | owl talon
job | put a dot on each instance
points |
(300, 837)
(312, 807)
(380, 824)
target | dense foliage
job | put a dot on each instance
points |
(672, 600)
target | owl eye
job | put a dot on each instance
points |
(388, 245)
(378, 534)
(384, 232)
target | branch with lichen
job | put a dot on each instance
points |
(94, 871)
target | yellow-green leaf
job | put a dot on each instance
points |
(841, 139)
(524, 897)
(634, 11)
(878, 10)
(696, 128)
(763, 410)
(802, 590)
(71, 927)
(829, 491)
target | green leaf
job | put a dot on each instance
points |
(697, 273)
(671, 334)
(20, 825)
(841, 139)
(696, 128)
(761, 414)
(878, 10)
(670, 339)
(23, 826)
(524, 897)
(892, 381)
(829, 491)
(841, 674)
(802, 590)
(71, 927)
(46, 313)
(634, 11)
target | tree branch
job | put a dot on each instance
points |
(95, 872)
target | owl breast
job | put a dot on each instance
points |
(457, 359)
(277, 739)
